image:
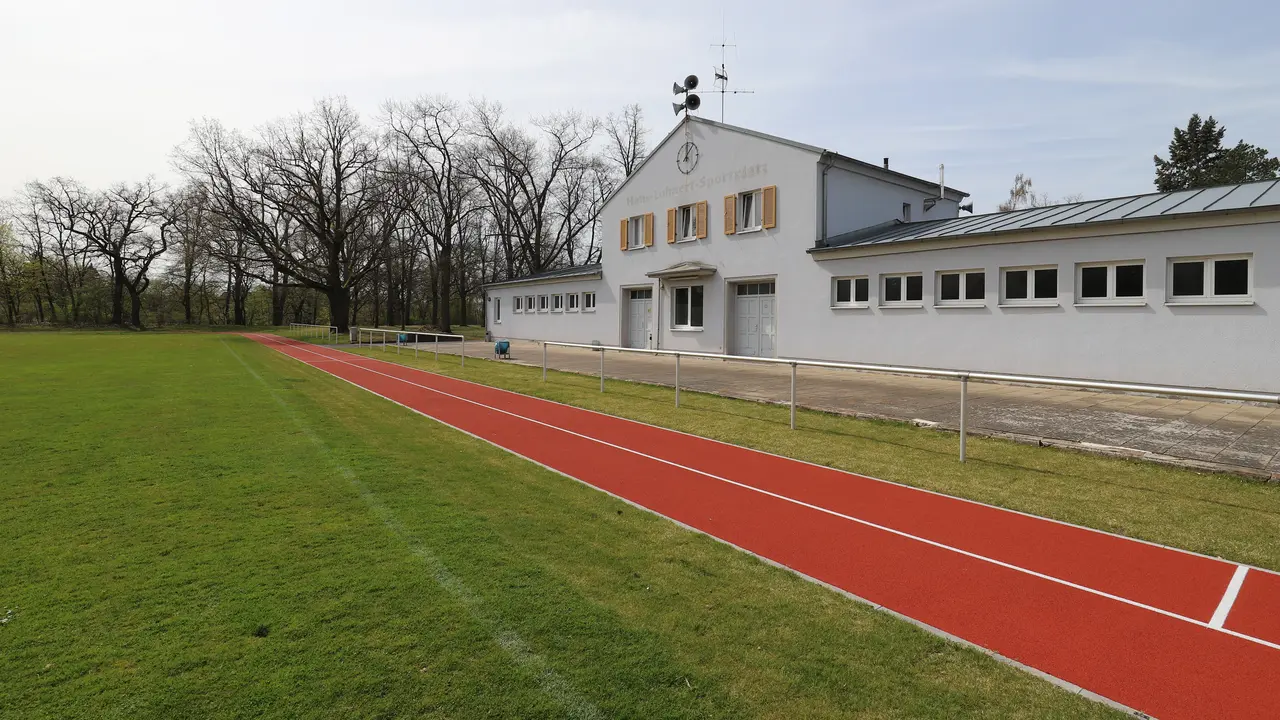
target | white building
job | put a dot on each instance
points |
(727, 240)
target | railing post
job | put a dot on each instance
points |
(397, 343)
(384, 340)
(677, 379)
(544, 362)
(437, 337)
(793, 396)
(416, 341)
(602, 370)
(464, 351)
(964, 401)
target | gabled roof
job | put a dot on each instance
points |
(1244, 197)
(686, 269)
(824, 155)
(575, 272)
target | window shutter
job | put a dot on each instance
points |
(770, 206)
(730, 213)
(648, 229)
(623, 232)
(671, 225)
(702, 219)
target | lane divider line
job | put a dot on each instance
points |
(957, 498)
(1228, 598)
(818, 508)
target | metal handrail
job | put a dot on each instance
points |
(962, 375)
(331, 331)
(359, 331)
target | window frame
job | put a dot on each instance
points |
(544, 303)
(635, 233)
(1030, 300)
(692, 209)
(557, 302)
(853, 301)
(757, 196)
(530, 305)
(497, 310)
(1210, 297)
(1110, 299)
(964, 301)
(902, 303)
(592, 295)
(572, 302)
(688, 326)
(517, 304)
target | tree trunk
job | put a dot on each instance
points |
(277, 298)
(339, 309)
(135, 309)
(446, 278)
(117, 295)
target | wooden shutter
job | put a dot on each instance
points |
(623, 232)
(770, 206)
(730, 213)
(671, 225)
(648, 229)
(702, 219)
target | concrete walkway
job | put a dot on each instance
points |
(1206, 434)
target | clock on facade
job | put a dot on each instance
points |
(687, 158)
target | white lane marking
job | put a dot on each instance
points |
(818, 508)
(957, 498)
(1228, 598)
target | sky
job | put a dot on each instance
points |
(1077, 95)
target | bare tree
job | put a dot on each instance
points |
(626, 138)
(320, 171)
(539, 185)
(10, 265)
(1021, 196)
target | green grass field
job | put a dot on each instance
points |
(194, 526)
(1216, 514)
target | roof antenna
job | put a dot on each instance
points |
(722, 75)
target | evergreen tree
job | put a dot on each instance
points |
(1197, 159)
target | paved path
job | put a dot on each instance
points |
(1207, 434)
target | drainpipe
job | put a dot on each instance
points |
(827, 160)
(657, 321)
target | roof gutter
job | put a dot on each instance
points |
(827, 160)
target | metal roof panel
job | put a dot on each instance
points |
(1201, 200)
(1270, 197)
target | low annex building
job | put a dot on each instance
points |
(727, 240)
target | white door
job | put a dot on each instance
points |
(755, 320)
(639, 318)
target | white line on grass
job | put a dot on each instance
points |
(551, 682)
(819, 508)
(1228, 598)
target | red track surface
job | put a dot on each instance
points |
(1127, 620)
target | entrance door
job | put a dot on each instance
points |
(755, 320)
(639, 317)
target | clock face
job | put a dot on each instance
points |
(687, 158)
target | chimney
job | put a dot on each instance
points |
(886, 163)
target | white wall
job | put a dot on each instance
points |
(583, 327)
(729, 162)
(1225, 346)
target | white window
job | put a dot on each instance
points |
(588, 302)
(750, 210)
(906, 212)
(571, 302)
(961, 288)
(497, 310)
(756, 288)
(1029, 286)
(850, 291)
(686, 307)
(635, 232)
(686, 223)
(542, 303)
(1118, 283)
(902, 289)
(517, 304)
(528, 303)
(1215, 279)
(557, 303)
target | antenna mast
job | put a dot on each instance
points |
(722, 76)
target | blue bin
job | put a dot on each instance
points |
(502, 348)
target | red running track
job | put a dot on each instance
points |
(1166, 632)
